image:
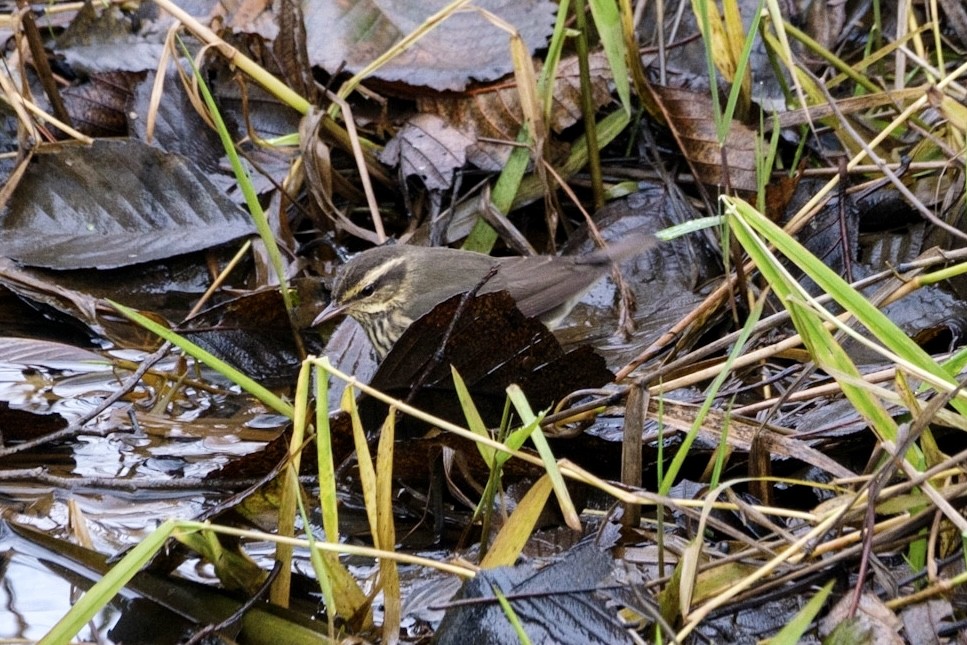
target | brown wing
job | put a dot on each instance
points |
(548, 286)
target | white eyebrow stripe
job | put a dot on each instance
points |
(376, 273)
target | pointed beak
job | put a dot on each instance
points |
(334, 310)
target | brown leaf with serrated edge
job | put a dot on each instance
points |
(690, 117)
(480, 127)
(430, 148)
(492, 346)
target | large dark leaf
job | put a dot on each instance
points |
(254, 333)
(492, 346)
(112, 204)
(554, 604)
(464, 46)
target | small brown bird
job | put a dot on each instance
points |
(386, 288)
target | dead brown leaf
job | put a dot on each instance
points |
(480, 127)
(689, 115)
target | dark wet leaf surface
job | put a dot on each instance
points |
(254, 333)
(556, 603)
(464, 47)
(492, 345)
(113, 204)
(101, 107)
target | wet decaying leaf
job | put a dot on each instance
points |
(96, 316)
(255, 334)
(492, 346)
(30, 352)
(176, 126)
(826, 240)
(250, 17)
(113, 204)
(100, 107)
(691, 119)
(429, 148)
(873, 622)
(665, 282)
(21, 425)
(351, 352)
(466, 46)
(555, 604)
(451, 130)
(21, 320)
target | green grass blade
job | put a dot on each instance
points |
(108, 587)
(607, 20)
(235, 376)
(878, 324)
(474, 422)
(819, 341)
(245, 184)
(796, 628)
(679, 459)
(550, 463)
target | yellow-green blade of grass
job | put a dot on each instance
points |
(743, 89)
(320, 566)
(291, 489)
(691, 558)
(245, 184)
(717, 55)
(235, 570)
(512, 617)
(474, 421)
(364, 460)
(235, 376)
(531, 135)
(326, 469)
(519, 527)
(879, 325)
(482, 235)
(669, 598)
(342, 594)
(547, 457)
(783, 50)
(668, 479)
(607, 20)
(821, 344)
(102, 592)
(545, 82)
(385, 537)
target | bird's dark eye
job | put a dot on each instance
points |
(368, 290)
